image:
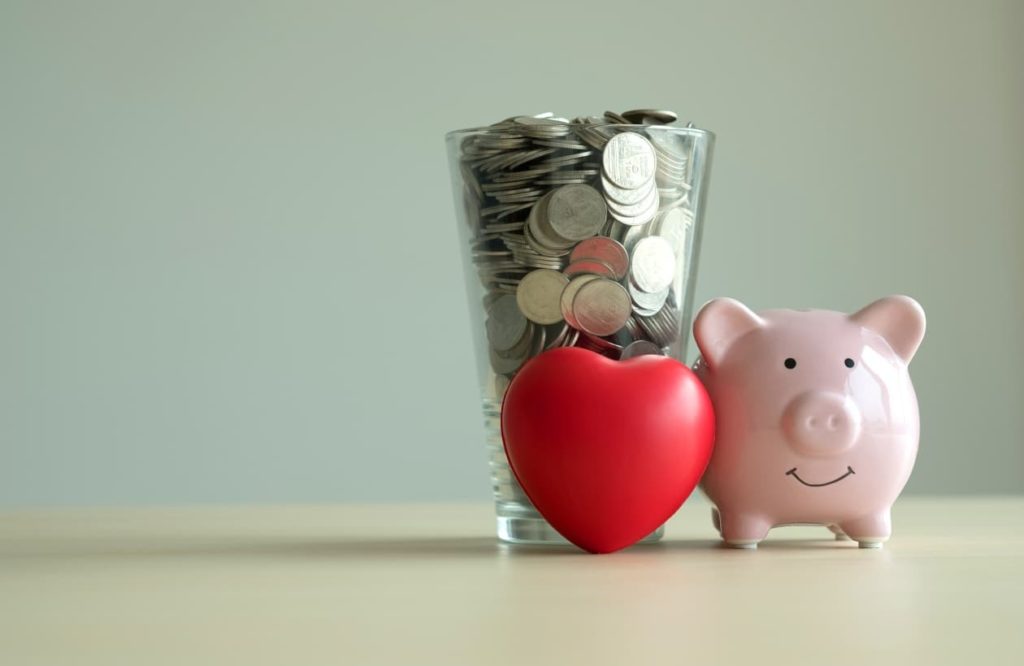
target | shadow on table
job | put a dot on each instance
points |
(416, 548)
(341, 549)
(449, 547)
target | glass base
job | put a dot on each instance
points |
(528, 530)
(523, 525)
(518, 520)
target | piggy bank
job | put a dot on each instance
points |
(816, 417)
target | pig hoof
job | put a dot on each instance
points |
(743, 545)
(870, 543)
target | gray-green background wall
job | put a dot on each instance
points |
(229, 269)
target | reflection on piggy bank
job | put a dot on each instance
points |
(815, 413)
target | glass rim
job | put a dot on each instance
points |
(674, 129)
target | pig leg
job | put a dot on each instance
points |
(716, 520)
(869, 531)
(840, 535)
(743, 530)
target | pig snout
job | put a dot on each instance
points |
(821, 423)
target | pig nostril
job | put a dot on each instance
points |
(833, 422)
(812, 422)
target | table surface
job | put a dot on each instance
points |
(428, 584)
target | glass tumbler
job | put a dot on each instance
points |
(573, 233)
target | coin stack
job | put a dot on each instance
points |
(580, 231)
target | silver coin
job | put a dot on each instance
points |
(644, 312)
(505, 227)
(671, 185)
(511, 159)
(662, 327)
(537, 345)
(556, 335)
(633, 329)
(601, 307)
(616, 231)
(505, 365)
(506, 362)
(511, 209)
(638, 208)
(653, 265)
(559, 179)
(595, 137)
(590, 266)
(604, 250)
(675, 199)
(568, 144)
(495, 189)
(520, 195)
(519, 177)
(542, 249)
(616, 118)
(470, 179)
(538, 229)
(641, 218)
(569, 294)
(672, 225)
(572, 158)
(599, 345)
(576, 212)
(542, 126)
(623, 196)
(640, 348)
(490, 255)
(650, 116)
(647, 303)
(572, 338)
(499, 386)
(672, 167)
(669, 144)
(532, 260)
(566, 174)
(506, 325)
(628, 160)
(633, 236)
(539, 295)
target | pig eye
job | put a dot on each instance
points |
(849, 362)
(790, 363)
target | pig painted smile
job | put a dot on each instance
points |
(792, 473)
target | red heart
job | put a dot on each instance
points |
(606, 450)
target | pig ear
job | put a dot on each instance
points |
(719, 324)
(898, 319)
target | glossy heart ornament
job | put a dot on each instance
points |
(606, 450)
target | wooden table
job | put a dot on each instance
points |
(428, 584)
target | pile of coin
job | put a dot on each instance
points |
(580, 232)
(627, 178)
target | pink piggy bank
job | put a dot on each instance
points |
(816, 416)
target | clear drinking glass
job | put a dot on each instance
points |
(524, 203)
